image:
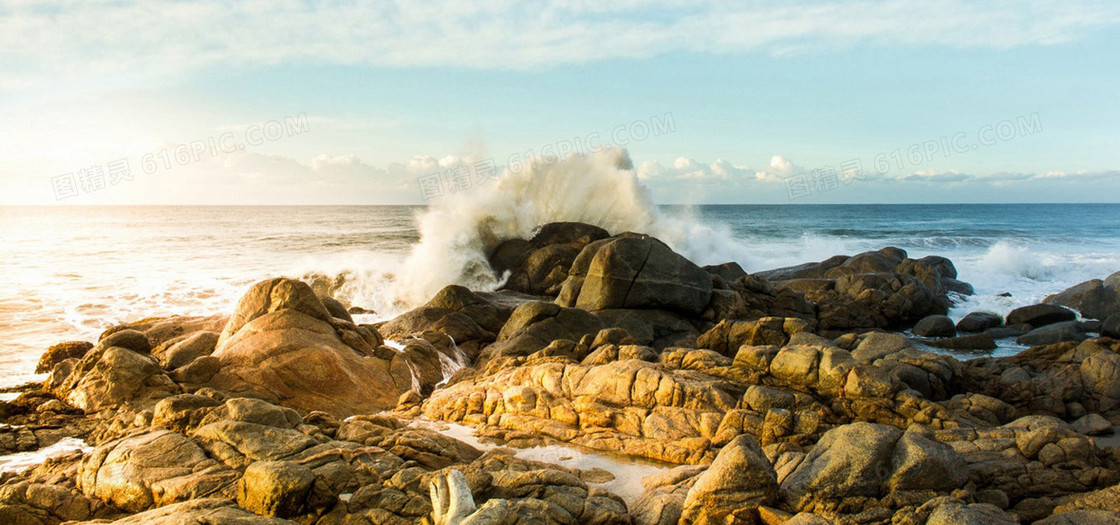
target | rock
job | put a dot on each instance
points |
(150, 470)
(202, 511)
(876, 345)
(1003, 332)
(281, 345)
(1083, 517)
(979, 321)
(956, 512)
(733, 487)
(197, 372)
(1092, 425)
(1040, 315)
(1054, 333)
(965, 342)
(935, 326)
(1100, 375)
(184, 352)
(1111, 326)
(727, 336)
(635, 272)
(275, 488)
(849, 461)
(534, 325)
(920, 463)
(61, 352)
(728, 271)
(957, 286)
(657, 328)
(130, 339)
(108, 377)
(1094, 299)
(335, 308)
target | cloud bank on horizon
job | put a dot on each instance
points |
(87, 83)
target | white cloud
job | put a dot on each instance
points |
(950, 176)
(117, 42)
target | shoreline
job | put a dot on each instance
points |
(801, 391)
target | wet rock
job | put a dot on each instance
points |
(1054, 333)
(1040, 315)
(979, 321)
(935, 326)
(965, 342)
(1094, 299)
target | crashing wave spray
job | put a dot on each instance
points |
(458, 232)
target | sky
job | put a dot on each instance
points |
(791, 102)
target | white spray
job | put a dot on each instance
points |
(457, 232)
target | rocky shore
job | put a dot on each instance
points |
(805, 395)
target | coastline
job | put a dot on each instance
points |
(752, 398)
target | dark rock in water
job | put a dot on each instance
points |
(335, 308)
(935, 326)
(1003, 294)
(1054, 333)
(134, 340)
(728, 271)
(965, 342)
(1111, 326)
(943, 265)
(1092, 325)
(1003, 332)
(979, 321)
(635, 271)
(540, 265)
(61, 352)
(358, 310)
(954, 285)
(1094, 299)
(1040, 315)
(810, 270)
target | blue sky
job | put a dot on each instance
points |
(767, 101)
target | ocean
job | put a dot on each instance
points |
(69, 272)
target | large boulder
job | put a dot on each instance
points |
(935, 326)
(739, 481)
(534, 325)
(201, 511)
(109, 377)
(1095, 299)
(859, 462)
(635, 271)
(1038, 315)
(275, 488)
(976, 322)
(1054, 333)
(151, 470)
(540, 265)
(281, 345)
